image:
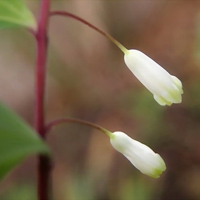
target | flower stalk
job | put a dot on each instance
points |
(113, 40)
(77, 121)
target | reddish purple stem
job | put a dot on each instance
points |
(41, 38)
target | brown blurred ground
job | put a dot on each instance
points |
(88, 79)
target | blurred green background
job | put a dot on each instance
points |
(87, 79)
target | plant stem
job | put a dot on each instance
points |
(41, 38)
(77, 121)
(42, 42)
(67, 14)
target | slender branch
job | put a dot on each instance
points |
(41, 39)
(67, 14)
(77, 121)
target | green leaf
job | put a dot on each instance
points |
(14, 13)
(17, 141)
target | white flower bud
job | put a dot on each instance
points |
(140, 155)
(166, 89)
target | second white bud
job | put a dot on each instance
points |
(140, 155)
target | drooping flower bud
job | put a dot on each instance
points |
(166, 89)
(140, 155)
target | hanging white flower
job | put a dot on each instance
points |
(140, 155)
(166, 89)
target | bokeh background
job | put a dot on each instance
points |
(87, 79)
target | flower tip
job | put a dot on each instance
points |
(157, 172)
